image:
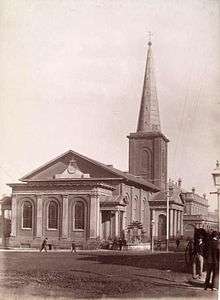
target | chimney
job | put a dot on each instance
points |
(193, 190)
(179, 182)
(204, 195)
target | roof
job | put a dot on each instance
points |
(126, 176)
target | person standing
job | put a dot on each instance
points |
(44, 245)
(212, 262)
(73, 247)
(198, 257)
(177, 243)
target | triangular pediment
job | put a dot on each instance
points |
(70, 165)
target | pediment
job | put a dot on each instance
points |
(175, 198)
(70, 165)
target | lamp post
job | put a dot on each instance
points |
(152, 235)
(216, 179)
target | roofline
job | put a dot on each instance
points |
(148, 185)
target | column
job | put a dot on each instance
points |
(100, 225)
(13, 216)
(174, 222)
(171, 223)
(123, 220)
(116, 222)
(39, 227)
(181, 224)
(154, 224)
(65, 216)
(94, 216)
(179, 221)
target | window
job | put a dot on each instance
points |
(135, 217)
(79, 215)
(27, 215)
(53, 215)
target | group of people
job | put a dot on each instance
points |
(205, 252)
(44, 246)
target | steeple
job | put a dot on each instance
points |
(149, 118)
(148, 145)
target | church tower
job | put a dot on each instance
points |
(148, 146)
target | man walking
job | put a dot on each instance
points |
(44, 245)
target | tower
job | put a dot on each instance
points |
(148, 146)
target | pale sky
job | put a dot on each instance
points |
(71, 77)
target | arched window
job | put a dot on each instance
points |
(27, 215)
(53, 215)
(79, 215)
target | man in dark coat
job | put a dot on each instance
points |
(198, 257)
(212, 262)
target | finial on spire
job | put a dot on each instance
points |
(149, 38)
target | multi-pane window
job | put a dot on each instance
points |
(53, 215)
(27, 214)
(79, 215)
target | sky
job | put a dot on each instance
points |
(71, 77)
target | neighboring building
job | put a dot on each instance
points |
(5, 219)
(196, 213)
(187, 210)
(75, 197)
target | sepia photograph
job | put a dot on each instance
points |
(110, 149)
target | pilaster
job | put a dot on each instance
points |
(65, 216)
(13, 216)
(39, 225)
(94, 216)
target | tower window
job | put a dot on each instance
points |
(27, 215)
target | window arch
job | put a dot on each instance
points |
(79, 215)
(27, 215)
(146, 160)
(53, 215)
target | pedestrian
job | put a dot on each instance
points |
(44, 245)
(73, 247)
(212, 262)
(120, 243)
(177, 243)
(198, 257)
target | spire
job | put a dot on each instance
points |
(149, 118)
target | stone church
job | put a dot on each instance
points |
(77, 198)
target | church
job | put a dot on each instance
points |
(73, 197)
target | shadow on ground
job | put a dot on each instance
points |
(160, 261)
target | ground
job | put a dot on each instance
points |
(97, 274)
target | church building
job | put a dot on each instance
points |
(73, 197)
